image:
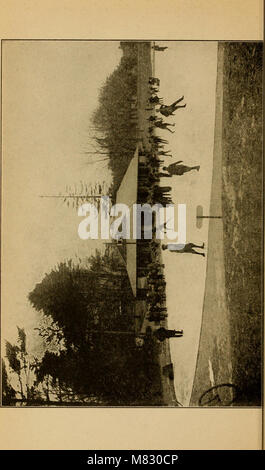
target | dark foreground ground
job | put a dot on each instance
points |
(242, 211)
(231, 331)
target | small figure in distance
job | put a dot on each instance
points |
(154, 81)
(153, 89)
(155, 100)
(164, 125)
(159, 48)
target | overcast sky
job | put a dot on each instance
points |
(50, 89)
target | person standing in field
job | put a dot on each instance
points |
(154, 81)
(164, 125)
(178, 169)
(165, 153)
(162, 333)
(180, 248)
(159, 48)
(168, 110)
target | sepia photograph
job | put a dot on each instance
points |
(117, 155)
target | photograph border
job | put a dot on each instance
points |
(262, 267)
(211, 20)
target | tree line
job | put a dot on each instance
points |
(87, 330)
(112, 116)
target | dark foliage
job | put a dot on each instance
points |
(112, 117)
(93, 308)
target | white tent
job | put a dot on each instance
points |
(127, 194)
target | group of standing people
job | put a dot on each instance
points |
(151, 192)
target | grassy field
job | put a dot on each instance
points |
(232, 323)
(242, 211)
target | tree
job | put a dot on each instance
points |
(8, 392)
(22, 367)
(33, 387)
(51, 334)
(112, 118)
(12, 353)
(79, 194)
(96, 354)
(76, 298)
(60, 297)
